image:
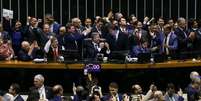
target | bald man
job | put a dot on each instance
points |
(194, 74)
(39, 91)
(29, 52)
(136, 93)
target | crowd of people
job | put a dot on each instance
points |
(99, 37)
(90, 90)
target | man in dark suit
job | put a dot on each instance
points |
(29, 52)
(98, 27)
(15, 90)
(117, 40)
(32, 32)
(113, 93)
(52, 49)
(95, 46)
(184, 39)
(73, 39)
(39, 90)
(123, 28)
(4, 34)
(138, 35)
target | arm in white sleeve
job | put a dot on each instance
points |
(47, 46)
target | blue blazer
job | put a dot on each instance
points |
(176, 98)
(56, 27)
(56, 98)
(173, 43)
(138, 49)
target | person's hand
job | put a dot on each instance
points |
(159, 95)
(43, 100)
(87, 31)
(110, 14)
(146, 19)
(99, 89)
(180, 92)
(7, 18)
(153, 88)
(152, 19)
(154, 49)
(152, 34)
(74, 89)
(113, 98)
(32, 45)
(35, 44)
(126, 97)
(192, 35)
(28, 18)
(102, 44)
(36, 25)
(136, 30)
(107, 45)
(9, 58)
(92, 88)
(166, 46)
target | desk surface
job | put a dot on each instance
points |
(32, 65)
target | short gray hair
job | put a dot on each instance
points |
(194, 74)
(39, 77)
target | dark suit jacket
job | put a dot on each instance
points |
(5, 35)
(19, 98)
(56, 98)
(183, 41)
(192, 93)
(133, 39)
(34, 34)
(197, 41)
(73, 41)
(34, 94)
(36, 53)
(50, 54)
(118, 45)
(94, 29)
(91, 52)
(56, 27)
(128, 31)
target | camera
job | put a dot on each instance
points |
(96, 89)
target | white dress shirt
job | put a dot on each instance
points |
(42, 93)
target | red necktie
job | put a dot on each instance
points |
(55, 54)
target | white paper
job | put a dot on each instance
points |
(8, 13)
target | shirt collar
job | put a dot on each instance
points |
(42, 87)
(15, 96)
